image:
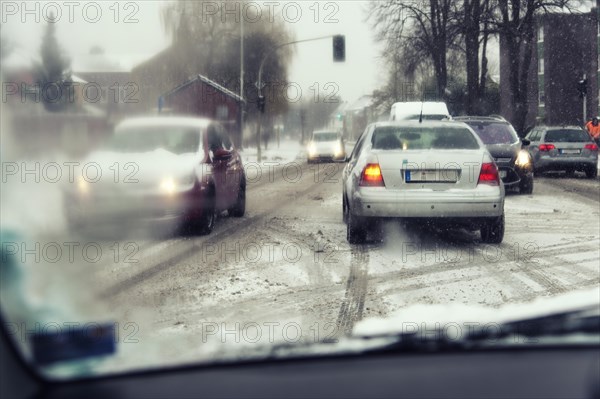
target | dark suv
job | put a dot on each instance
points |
(514, 163)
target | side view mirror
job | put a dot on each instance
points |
(222, 154)
(525, 142)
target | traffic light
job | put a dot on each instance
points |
(339, 48)
(582, 87)
(261, 103)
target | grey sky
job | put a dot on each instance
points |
(86, 24)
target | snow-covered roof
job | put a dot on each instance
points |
(209, 82)
(18, 61)
(165, 120)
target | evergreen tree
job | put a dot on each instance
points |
(54, 73)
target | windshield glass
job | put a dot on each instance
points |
(194, 182)
(178, 140)
(325, 136)
(400, 138)
(494, 133)
(566, 136)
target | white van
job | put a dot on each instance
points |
(411, 111)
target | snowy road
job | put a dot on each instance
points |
(287, 261)
(285, 272)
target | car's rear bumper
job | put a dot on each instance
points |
(555, 163)
(379, 202)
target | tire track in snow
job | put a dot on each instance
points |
(353, 304)
(150, 248)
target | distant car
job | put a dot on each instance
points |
(326, 145)
(514, 163)
(558, 148)
(429, 170)
(413, 110)
(179, 169)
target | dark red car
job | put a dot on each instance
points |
(180, 169)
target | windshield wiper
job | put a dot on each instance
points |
(584, 324)
(581, 324)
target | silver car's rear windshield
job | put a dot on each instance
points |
(494, 133)
(423, 138)
(566, 136)
(175, 139)
(325, 137)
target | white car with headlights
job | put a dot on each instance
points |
(178, 169)
(326, 145)
(429, 170)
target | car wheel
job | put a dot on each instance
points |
(526, 186)
(493, 231)
(344, 209)
(206, 223)
(239, 208)
(591, 173)
(356, 233)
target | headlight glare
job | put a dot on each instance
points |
(83, 186)
(168, 186)
(523, 159)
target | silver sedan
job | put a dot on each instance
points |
(556, 148)
(428, 170)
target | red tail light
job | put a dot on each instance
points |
(371, 176)
(591, 147)
(489, 174)
(546, 147)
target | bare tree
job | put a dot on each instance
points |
(428, 27)
(515, 23)
(206, 40)
(474, 26)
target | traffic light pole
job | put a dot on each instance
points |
(585, 102)
(582, 87)
(260, 85)
(584, 109)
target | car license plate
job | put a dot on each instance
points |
(430, 176)
(568, 151)
(502, 174)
